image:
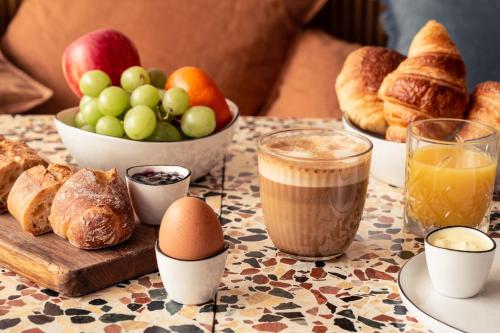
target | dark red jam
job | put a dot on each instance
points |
(157, 177)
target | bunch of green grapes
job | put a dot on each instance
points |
(140, 109)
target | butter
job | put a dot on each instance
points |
(463, 239)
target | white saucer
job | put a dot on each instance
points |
(442, 314)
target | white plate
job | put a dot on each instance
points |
(442, 314)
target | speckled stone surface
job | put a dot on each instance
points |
(262, 289)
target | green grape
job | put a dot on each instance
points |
(113, 101)
(170, 118)
(157, 77)
(184, 137)
(125, 136)
(161, 93)
(165, 131)
(84, 100)
(134, 77)
(88, 128)
(198, 121)
(91, 112)
(140, 122)
(111, 126)
(176, 100)
(177, 125)
(162, 115)
(122, 116)
(93, 82)
(79, 119)
(146, 95)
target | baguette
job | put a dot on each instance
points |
(15, 157)
(30, 198)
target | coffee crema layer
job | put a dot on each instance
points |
(314, 161)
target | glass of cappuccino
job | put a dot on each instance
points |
(313, 187)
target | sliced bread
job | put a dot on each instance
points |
(15, 157)
(30, 199)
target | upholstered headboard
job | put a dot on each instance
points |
(352, 20)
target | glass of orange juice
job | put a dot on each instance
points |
(450, 174)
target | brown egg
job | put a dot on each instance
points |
(190, 230)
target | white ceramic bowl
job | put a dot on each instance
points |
(105, 152)
(388, 157)
(458, 273)
(151, 201)
(191, 282)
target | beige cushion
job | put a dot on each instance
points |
(307, 85)
(18, 91)
(241, 43)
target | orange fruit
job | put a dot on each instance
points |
(201, 90)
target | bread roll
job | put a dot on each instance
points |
(358, 83)
(430, 83)
(30, 198)
(15, 157)
(93, 210)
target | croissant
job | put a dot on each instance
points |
(430, 83)
(485, 104)
(358, 83)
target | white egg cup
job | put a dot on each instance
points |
(458, 273)
(151, 201)
(191, 282)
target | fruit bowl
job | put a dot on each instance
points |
(104, 152)
(388, 157)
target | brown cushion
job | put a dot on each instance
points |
(19, 92)
(307, 85)
(240, 43)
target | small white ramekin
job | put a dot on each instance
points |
(151, 201)
(191, 282)
(458, 273)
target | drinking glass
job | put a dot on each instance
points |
(313, 186)
(450, 174)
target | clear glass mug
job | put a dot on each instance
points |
(313, 185)
(450, 174)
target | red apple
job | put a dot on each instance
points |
(106, 49)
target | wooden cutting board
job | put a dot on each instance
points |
(52, 262)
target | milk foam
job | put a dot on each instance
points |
(314, 161)
(316, 146)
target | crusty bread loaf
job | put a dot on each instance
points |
(93, 210)
(359, 81)
(30, 198)
(15, 157)
(430, 83)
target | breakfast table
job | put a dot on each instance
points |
(262, 289)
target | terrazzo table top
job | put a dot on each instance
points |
(262, 289)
